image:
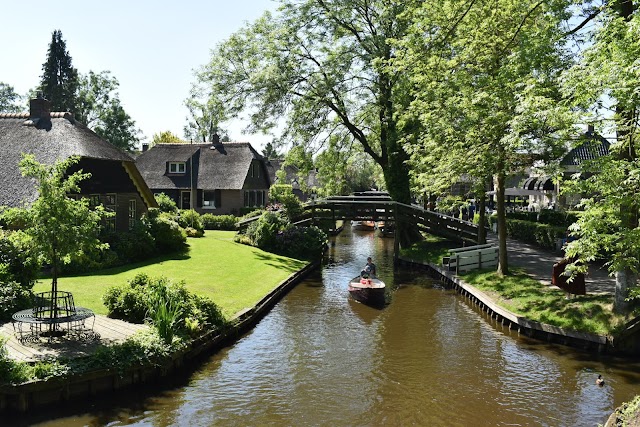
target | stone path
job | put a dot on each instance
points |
(105, 331)
(538, 262)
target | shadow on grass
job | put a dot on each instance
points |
(279, 261)
(181, 255)
(429, 250)
(529, 298)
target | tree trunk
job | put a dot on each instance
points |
(625, 279)
(482, 216)
(503, 267)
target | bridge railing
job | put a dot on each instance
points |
(382, 208)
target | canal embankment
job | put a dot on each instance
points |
(626, 342)
(76, 387)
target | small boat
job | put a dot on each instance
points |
(363, 225)
(369, 291)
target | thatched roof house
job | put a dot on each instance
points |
(52, 136)
(218, 178)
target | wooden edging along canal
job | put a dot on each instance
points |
(530, 328)
(35, 394)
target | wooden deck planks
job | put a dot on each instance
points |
(109, 331)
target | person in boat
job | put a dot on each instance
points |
(369, 269)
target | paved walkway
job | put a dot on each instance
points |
(538, 262)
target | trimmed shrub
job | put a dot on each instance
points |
(166, 203)
(167, 233)
(263, 231)
(21, 264)
(130, 246)
(543, 235)
(219, 222)
(559, 219)
(301, 242)
(191, 218)
(247, 212)
(283, 194)
(169, 306)
(13, 297)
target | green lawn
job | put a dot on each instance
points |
(527, 297)
(431, 249)
(235, 276)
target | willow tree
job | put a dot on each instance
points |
(483, 79)
(605, 83)
(317, 69)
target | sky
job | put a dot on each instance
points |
(151, 47)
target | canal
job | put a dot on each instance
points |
(427, 359)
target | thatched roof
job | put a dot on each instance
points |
(50, 137)
(222, 166)
(593, 147)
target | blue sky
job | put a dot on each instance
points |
(151, 47)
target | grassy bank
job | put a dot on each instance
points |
(527, 297)
(235, 276)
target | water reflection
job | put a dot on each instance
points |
(427, 359)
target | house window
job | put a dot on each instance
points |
(209, 199)
(177, 167)
(253, 198)
(94, 200)
(132, 213)
(110, 222)
(254, 170)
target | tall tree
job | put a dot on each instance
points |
(99, 107)
(9, 99)
(270, 152)
(322, 67)
(483, 91)
(206, 114)
(59, 80)
(606, 81)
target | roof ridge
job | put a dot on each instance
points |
(53, 115)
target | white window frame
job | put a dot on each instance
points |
(133, 209)
(177, 167)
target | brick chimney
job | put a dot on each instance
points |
(145, 146)
(590, 129)
(39, 108)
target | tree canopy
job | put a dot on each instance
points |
(604, 84)
(320, 67)
(62, 228)
(9, 99)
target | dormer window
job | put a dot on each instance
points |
(177, 167)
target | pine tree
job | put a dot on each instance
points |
(59, 81)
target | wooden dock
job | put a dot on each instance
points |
(105, 331)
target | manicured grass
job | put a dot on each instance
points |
(525, 296)
(235, 276)
(431, 249)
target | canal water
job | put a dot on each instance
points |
(427, 359)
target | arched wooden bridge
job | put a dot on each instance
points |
(382, 208)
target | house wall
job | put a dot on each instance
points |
(111, 186)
